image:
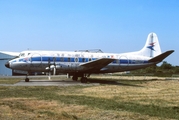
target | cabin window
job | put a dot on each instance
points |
(54, 59)
(117, 61)
(68, 59)
(76, 59)
(61, 59)
(89, 59)
(83, 59)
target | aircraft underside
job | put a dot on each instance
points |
(83, 73)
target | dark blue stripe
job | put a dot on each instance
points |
(36, 59)
(68, 59)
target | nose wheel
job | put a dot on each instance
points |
(74, 78)
(26, 79)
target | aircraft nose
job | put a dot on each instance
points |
(7, 65)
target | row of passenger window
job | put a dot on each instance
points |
(64, 59)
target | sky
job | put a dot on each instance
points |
(114, 26)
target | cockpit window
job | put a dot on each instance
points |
(22, 55)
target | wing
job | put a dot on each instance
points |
(96, 65)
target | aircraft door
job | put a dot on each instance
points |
(123, 62)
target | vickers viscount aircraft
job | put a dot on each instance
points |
(84, 63)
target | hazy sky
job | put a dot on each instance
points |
(115, 26)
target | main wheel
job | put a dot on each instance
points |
(75, 78)
(84, 80)
(26, 79)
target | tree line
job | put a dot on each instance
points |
(164, 70)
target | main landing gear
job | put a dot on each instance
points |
(83, 78)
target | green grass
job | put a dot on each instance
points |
(13, 80)
(137, 98)
(9, 80)
(52, 94)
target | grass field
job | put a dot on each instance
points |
(114, 98)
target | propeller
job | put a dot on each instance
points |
(48, 68)
(51, 67)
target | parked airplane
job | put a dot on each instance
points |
(83, 63)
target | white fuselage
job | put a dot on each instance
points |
(70, 62)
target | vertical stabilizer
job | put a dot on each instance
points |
(152, 46)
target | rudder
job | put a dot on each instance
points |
(152, 46)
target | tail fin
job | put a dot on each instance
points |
(152, 46)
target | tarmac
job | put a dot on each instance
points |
(50, 83)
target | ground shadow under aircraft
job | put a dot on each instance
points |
(123, 82)
(91, 81)
(71, 82)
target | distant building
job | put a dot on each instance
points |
(4, 57)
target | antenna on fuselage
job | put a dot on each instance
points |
(90, 51)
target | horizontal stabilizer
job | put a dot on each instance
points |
(162, 56)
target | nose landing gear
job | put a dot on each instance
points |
(27, 79)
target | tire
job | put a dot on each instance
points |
(84, 80)
(27, 80)
(75, 78)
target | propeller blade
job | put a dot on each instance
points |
(54, 71)
(54, 66)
